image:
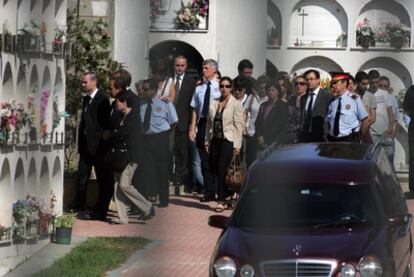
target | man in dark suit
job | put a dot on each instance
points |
(314, 108)
(184, 90)
(92, 147)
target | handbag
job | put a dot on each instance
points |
(236, 173)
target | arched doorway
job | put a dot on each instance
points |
(323, 64)
(169, 49)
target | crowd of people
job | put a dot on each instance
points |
(181, 131)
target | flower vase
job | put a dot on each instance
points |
(397, 42)
(365, 42)
(33, 134)
(44, 224)
(32, 229)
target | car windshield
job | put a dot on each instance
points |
(310, 205)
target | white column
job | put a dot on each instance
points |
(241, 34)
(131, 29)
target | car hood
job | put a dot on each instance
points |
(342, 244)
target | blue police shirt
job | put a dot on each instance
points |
(163, 115)
(352, 112)
(197, 101)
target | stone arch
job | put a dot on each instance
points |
(385, 10)
(45, 103)
(31, 187)
(44, 180)
(19, 180)
(5, 195)
(320, 13)
(58, 104)
(274, 20)
(7, 89)
(168, 49)
(57, 181)
(21, 86)
(399, 75)
(321, 63)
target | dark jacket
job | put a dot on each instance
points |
(182, 105)
(94, 121)
(319, 127)
(129, 134)
(273, 128)
(116, 116)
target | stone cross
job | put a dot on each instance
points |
(303, 14)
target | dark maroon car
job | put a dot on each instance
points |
(329, 209)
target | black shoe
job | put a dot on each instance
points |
(409, 195)
(149, 215)
(208, 198)
(93, 216)
(163, 205)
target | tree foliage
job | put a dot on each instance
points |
(90, 46)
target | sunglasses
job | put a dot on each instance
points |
(238, 89)
(225, 86)
(300, 83)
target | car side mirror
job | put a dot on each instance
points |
(402, 221)
(218, 221)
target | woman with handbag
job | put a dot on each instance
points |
(224, 133)
(130, 135)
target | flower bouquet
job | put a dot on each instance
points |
(365, 34)
(19, 211)
(188, 17)
(398, 34)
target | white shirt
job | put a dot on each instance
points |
(316, 91)
(181, 80)
(92, 95)
(253, 112)
(383, 101)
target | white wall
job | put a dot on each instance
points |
(131, 27)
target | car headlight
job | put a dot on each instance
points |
(370, 266)
(247, 271)
(348, 270)
(225, 267)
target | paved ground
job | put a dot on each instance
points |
(185, 239)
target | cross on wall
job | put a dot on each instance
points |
(301, 12)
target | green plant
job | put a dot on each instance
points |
(65, 221)
(90, 47)
(364, 32)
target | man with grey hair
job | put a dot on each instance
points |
(203, 95)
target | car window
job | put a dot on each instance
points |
(290, 205)
(393, 197)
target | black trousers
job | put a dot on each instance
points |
(181, 157)
(251, 150)
(221, 153)
(411, 155)
(156, 166)
(209, 185)
(104, 178)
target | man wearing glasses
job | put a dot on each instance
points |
(314, 107)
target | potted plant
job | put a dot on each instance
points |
(58, 41)
(63, 228)
(342, 40)
(399, 34)
(365, 34)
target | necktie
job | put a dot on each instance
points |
(336, 119)
(308, 118)
(206, 103)
(147, 116)
(86, 102)
(177, 87)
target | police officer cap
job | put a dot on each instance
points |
(338, 76)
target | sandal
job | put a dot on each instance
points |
(220, 208)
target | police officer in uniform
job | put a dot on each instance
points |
(157, 117)
(346, 114)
